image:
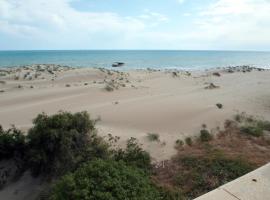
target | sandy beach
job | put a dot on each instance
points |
(173, 104)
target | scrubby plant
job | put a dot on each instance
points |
(200, 174)
(179, 143)
(255, 131)
(189, 141)
(105, 180)
(205, 136)
(153, 137)
(109, 88)
(134, 155)
(59, 143)
(265, 125)
(219, 105)
(12, 144)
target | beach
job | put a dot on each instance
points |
(135, 103)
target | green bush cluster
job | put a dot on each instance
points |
(153, 137)
(105, 180)
(12, 144)
(59, 143)
(134, 155)
(67, 145)
(252, 130)
(189, 141)
(205, 136)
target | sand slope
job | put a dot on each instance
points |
(150, 102)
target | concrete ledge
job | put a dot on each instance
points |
(252, 186)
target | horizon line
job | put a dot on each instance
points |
(240, 50)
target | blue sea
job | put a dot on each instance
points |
(137, 59)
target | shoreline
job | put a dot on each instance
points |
(172, 103)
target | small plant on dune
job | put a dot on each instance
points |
(189, 141)
(265, 125)
(205, 136)
(219, 105)
(109, 87)
(179, 143)
(252, 130)
(153, 137)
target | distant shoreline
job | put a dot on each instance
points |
(138, 59)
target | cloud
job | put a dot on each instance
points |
(55, 24)
(238, 23)
(57, 20)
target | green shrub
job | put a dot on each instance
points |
(153, 137)
(219, 105)
(255, 131)
(265, 125)
(179, 143)
(59, 143)
(12, 144)
(134, 155)
(109, 88)
(205, 136)
(105, 180)
(189, 141)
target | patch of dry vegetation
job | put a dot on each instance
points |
(211, 162)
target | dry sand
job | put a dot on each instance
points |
(147, 101)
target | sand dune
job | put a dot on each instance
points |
(149, 101)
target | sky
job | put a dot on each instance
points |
(135, 24)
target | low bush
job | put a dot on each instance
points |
(153, 137)
(105, 180)
(189, 141)
(134, 155)
(109, 88)
(12, 144)
(205, 136)
(219, 105)
(59, 143)
(179, 143)
(255, 131)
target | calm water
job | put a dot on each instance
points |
(137, 59)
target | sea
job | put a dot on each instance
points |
(137, 59)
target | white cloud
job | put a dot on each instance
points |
(224, 24)
(239, 23)
(56, 20)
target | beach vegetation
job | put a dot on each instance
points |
(105, 180)
(219, 105)
(188, 141)
(205, 136)
(12, 144)
(179, 143)
(255, 131)
(153, 137)
(204, 173)
(59, 143)
(133, 155)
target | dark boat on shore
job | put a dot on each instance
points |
(118, 64)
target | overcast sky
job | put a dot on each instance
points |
(135, 24)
